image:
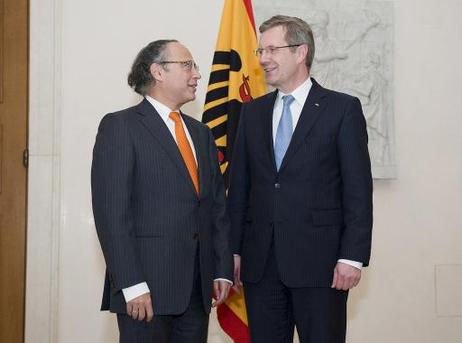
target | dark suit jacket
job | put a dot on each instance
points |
(149, 219)
(318, 207)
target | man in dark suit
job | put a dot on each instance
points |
(300, 197)
(159, 206)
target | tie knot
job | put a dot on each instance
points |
(287, 100)
(175, 116)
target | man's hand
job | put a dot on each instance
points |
(237, 274)
(221, 291)
(141, 307)
(345, 277)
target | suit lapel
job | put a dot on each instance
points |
(314, 106)
(156, 126)
(267, 120)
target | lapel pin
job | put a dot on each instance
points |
(316, 104)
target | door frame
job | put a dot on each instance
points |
(44, 187)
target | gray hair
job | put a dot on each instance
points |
(297, 32)
(140, 78)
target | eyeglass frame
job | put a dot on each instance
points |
(188, 65)
(272, 49)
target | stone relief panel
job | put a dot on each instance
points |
(354, 54)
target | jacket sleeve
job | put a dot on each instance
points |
(112, 182)
(221, 224)
(239, 184)
(356, 176)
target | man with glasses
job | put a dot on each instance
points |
(159, 206)
(300, 196)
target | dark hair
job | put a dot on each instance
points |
(140, 78)
(297, 32)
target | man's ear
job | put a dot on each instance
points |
(157, 71)
(302, 52)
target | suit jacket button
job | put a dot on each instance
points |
(277, 185)
(195, 236)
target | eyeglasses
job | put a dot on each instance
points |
(272, 49)
(188, 65)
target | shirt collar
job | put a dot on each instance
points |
(300, 93)
(163, 110)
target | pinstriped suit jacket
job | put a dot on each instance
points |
(148, 216)
(318, 207)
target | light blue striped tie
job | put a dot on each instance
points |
(284, 132)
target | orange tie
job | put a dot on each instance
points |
(185, 149)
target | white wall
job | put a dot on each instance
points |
(81, 52)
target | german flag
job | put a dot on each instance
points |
(236, 77)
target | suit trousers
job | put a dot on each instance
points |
(190, 326)
(273, 309)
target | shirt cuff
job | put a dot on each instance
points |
(355, 264)
(221, 279)
(132, 292)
